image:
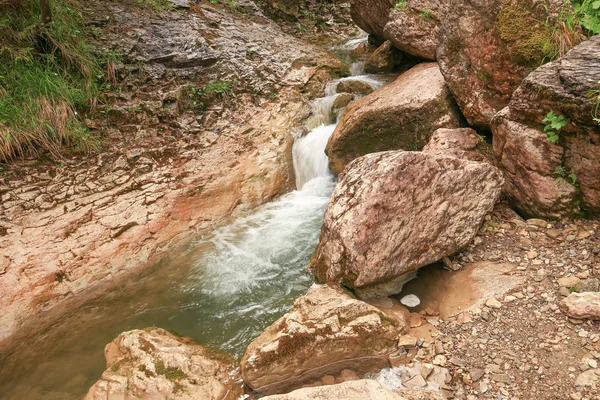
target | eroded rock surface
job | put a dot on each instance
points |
(394, 212)
(325, 332)
(384, 59)
(152, 363)
(414, 28)
(538, 172)
(401, 115)
(487, 48)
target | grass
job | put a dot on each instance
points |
(49, 75)
(171, 373)
(152, 5)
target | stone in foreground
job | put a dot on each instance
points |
(401, 115)
(364, 389)
(153, 363)
(395, 212)
(325, 332)
(459, 143)
(582, 305)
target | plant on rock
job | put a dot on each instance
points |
(588, 14)
(554, 123)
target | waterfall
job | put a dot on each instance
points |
(310, 160)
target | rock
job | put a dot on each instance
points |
(587, 285)
(353, 86)
(384, 59)
(394, 212)
(486, 50)
(414, 28)
(431, 205)
(540, 223)
(340, 103)
(493, 303)
(540, 182)
(416, 382)
(352, 390)
(410, 300)
(476, 374)
(588, 378)
(504, 378)
(180, 3)
(328, 380)
(371, 15)
(348, 375)
(325, 332)
(153, 363)
(401, 115)
(582, 305)
(407, 341)
(459, 143)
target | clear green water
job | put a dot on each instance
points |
(223, 291)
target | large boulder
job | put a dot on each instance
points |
(371, 15)
(384, 59)
(547, 179)
(486, 48)
(326, 331)
(401, 115)
(414, 28)
(364, 389)
(152, 363)
(394, 212)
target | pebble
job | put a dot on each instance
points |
(416, 381)
(568, 281)
(439, 360)
(493, 303)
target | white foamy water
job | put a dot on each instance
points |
(310, 160)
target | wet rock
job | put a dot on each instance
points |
(371, 15)
(486, 50)
(459, 143)
(431, 205)
(153, 363)
(384, 59)
(544, 180)
(401, 115)
(325, 332)
(582, 305)
(414, 28)
(353, 86)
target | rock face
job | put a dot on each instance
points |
(487, 48)
(414, 28)
(153, 363)
(371, 15)
(394, 212)
(401, 115)
(459, 143)
(364, 389)
(325, 332)
(537, 171)
(582, 305)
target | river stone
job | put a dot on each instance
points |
(486, 49)
(521, 147)
(582, 305)
(371, 15)
(325, 332)
(153, 363)
(354, 86)
(394, 212)
(401, 115)
(414, 28)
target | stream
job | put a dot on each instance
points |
(222, 291)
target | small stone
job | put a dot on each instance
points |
(328, 380)
(518, 295)
(457, 361)
(540, 223)
(588, 378)
(410, 300)
(509, 298)
(476, 374)
(416, 381)
(493, 303)
(439, 360)
(593, 363)
(564, 291)
(568, 281)
(532, 254)
(464, 318)
(576, 396)
(347, 375)
(426, 370)
(415, 320)
(552, 233)
(504, 378)
(407, 341)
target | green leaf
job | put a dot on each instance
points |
(573, 178)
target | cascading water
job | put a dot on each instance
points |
(222, 292)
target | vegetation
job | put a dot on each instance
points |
(588, 15)
(171, 373)
(425, 13)
(48, 75)
(153, 5)
(561, 173)
(401, 5)
(554, 123)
